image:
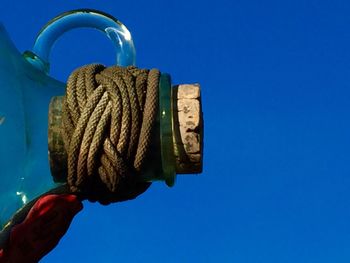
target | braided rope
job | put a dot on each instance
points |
(108, 117)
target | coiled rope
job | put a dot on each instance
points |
(108, 117)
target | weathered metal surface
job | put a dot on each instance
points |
(188, 128)
(57, 152)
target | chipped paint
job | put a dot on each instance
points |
(2, 119)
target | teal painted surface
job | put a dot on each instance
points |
(25, 93)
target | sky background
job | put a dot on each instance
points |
(275, 79)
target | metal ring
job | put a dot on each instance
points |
(114, 29)
(166, 130)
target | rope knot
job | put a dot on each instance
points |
(108, 117)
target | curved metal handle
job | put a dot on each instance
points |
(103, 22)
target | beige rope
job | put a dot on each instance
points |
(108, 117)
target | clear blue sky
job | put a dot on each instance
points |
(275, 79)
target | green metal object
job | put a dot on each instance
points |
(31, 109)
(166, 130)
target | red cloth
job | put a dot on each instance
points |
(46, 223)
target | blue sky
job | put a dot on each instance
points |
(275, 79)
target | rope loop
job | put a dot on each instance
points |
(108, 118)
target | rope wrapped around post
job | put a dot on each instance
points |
(108, 118)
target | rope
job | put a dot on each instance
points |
(108, 117)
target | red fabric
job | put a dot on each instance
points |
(40, 232)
